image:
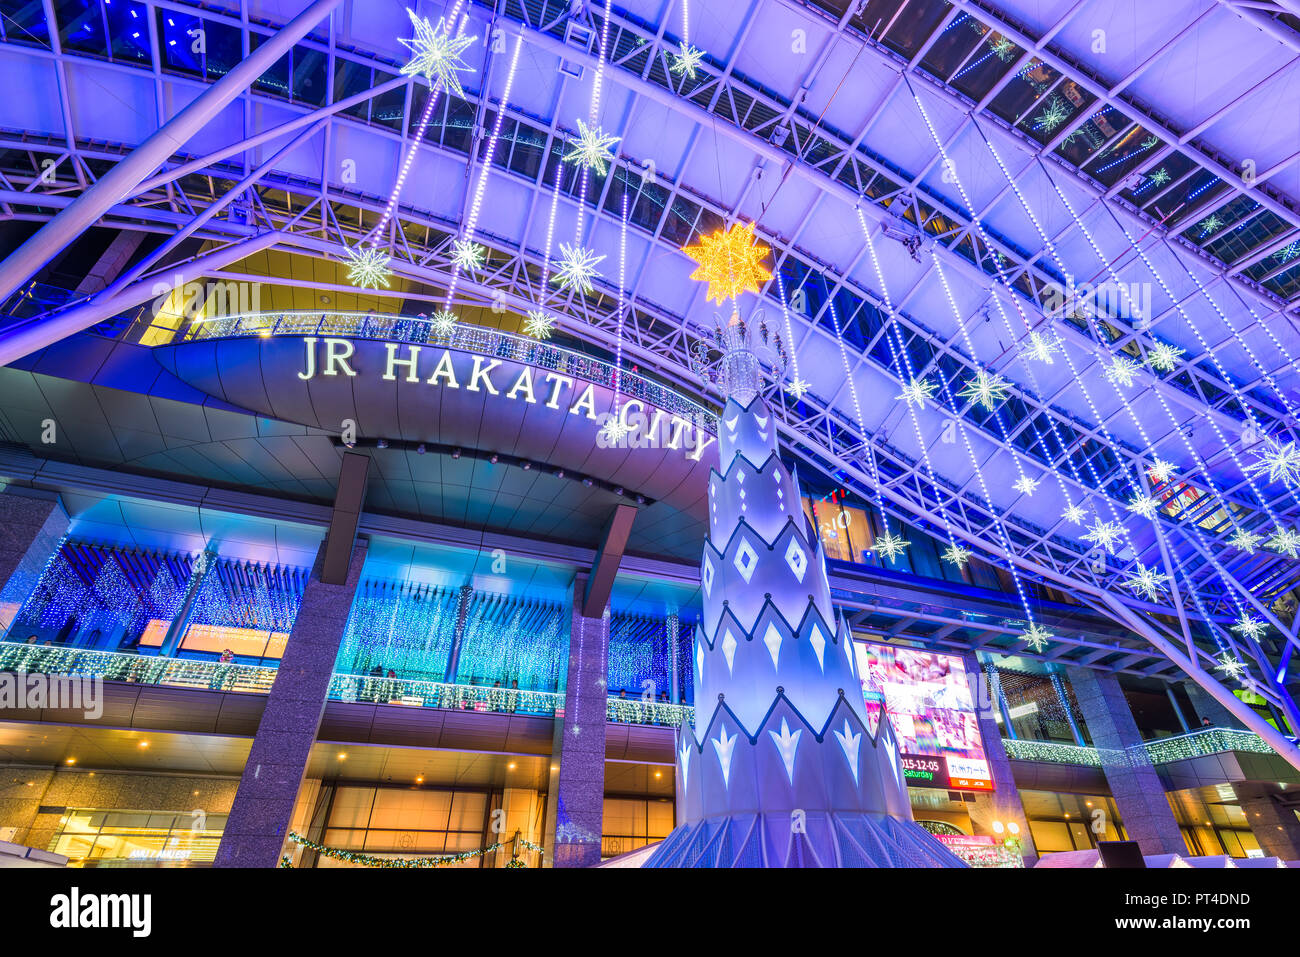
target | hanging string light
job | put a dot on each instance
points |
(436, 56)
(1143, 579)
(469, 255)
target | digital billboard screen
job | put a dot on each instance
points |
(928, 697)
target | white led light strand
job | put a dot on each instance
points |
(434, 89)
(903, 366)
(471, 223)
(1139, 490)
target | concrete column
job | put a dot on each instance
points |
(1271, 813)
(578, 795)
(268, 788)
(1206, 707)
(1003, 804)
(110, 265)
(1138, 791)
(32, 524)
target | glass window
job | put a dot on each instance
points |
(275, 80)
(224, 46)
(23, 21)
(182, 40)
(388, 109)
(128, 31)
(81, 26)
(309, 84)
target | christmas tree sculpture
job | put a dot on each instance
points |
(780, 768)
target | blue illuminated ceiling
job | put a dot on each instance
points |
(989, 151)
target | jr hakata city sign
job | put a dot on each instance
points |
(482, 390)
(448, 369)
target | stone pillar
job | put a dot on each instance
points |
(1207, 706)
(1136, 787)
(1271, 814)
(110, 265)
(32, 524)
(268, 788)
(1003, 804)
(578, 798)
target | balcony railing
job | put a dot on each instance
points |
(257, 679)
(144, 669)
(1161, 750)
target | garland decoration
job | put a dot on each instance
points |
(368, 860)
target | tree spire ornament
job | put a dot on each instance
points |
(730, 261)
(781, 767)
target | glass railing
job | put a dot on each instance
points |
(1161, 750)
(257, 679)
(1051, 752)
(145, 669)
(1205, 741)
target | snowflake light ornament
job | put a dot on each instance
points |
(1104, 535)
(1281, 461)
(1026, 485)
(1121, 371)
(986, 389)
(539, 324)
(1286, 541)
(1146, 582)
(1041, 347)
(436, 54)
(468, 255)
(796, 388)
(686, 60)
(1037, 637)
(891, 545)
(1055, 112)
(1249, 627)
(1244, 541)
(1160, 470)
(1002, 47)
(1164, 357)
(1230, 665)
(443, 323)
(1075, 513)
(956, 555)
(615, 430)
(917, 391)
(575, 268)
(368, 267)
(591, 148)
(1144, 505)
